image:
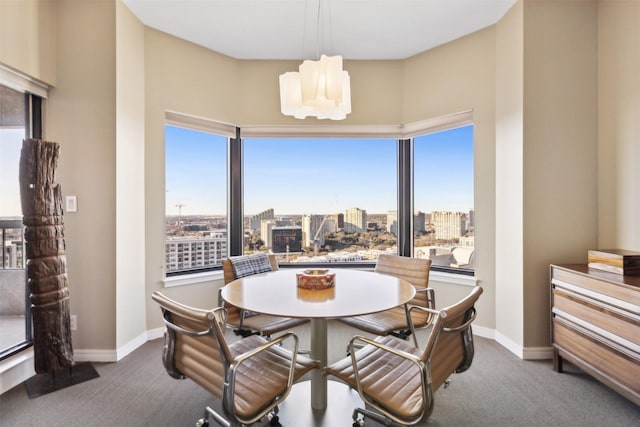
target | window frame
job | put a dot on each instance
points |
(403, 134)
(193, 123)
(34, 95)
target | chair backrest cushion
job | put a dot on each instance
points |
(451, 351)
(199, 358)
(246, 265)
(413, 270)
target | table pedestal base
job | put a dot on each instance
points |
(296, 410)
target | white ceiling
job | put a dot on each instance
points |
(291, 29)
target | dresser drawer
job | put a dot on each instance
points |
(602, 361)
(591, 285)
(617, 325)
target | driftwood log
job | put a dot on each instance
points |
(45, 252)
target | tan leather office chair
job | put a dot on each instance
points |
(250, 376)
(397, 379)
(246, 323)
(396, 321)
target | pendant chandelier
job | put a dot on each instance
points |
(319, 89)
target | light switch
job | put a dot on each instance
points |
(72, 204)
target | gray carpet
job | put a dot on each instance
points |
(498, 390)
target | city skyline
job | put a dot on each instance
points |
(325, 176)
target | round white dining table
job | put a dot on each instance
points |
(355, 292)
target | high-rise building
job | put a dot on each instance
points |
(339, 218)
(10, 255)
(286, 239)
(331, 224)
(192, 252)
(254, 221)
(418, 221)
(448, 225)
(392, 222)
(266, 225)
(312, 227)
(355, 220)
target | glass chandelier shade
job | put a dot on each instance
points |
(320, 89)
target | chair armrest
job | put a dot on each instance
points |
(465, 325)
(383, 347)
(229, 385)
(431, 296)
(247, 355)
(431, 311)
(432, 314)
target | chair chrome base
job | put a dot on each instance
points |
(359, 422)
(273, 418)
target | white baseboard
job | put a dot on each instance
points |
(116, 355)
(16, 369)
(95, 355)
(155, 334)
(483, 332)
(538, 353)
(524, 353)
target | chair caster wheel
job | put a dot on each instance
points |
(202, 423)
(275, 421)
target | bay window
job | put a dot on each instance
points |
(330, 199)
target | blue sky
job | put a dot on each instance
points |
(10, 146)
(311, 176)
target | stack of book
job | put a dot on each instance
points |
(619, 261)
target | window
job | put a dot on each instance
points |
(196, 200)
(319, 200)
(19, 119)
(443, 198)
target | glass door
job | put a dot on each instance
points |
(15, 318)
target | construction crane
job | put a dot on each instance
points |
(316, 237)
(179, 206)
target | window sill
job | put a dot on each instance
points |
(192, 279)
(455, 279)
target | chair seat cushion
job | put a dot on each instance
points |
(391, 382)
(267, 325)
(381, 323)
(260, 375)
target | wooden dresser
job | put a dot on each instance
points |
(595, 325)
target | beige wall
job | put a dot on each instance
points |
(619, 125)
(449, 79)
(185, 78)
(540, 130)
(28, 37)
(560, 148)
(130, 188)
(81, 116)
(509, 170)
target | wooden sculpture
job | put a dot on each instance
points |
(45, 252)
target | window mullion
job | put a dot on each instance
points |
(235, 195)
(405, 198)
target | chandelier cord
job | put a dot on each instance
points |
(318, 34)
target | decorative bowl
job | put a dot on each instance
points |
(315, 279)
